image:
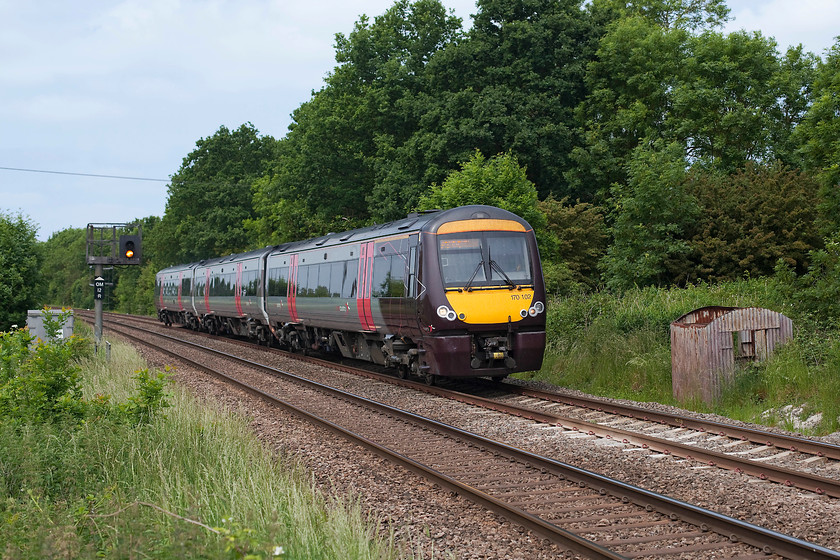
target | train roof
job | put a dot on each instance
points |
(428, 221)
(177, 268)
(256, 253)
(217, 260)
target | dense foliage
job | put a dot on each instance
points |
(20, 260)
(65, 272)
(210, 196)
(645, 146)
(85, 474)
(40, 381)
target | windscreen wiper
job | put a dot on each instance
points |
(495, 266)
(468, 286)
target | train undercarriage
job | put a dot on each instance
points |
(489, 353)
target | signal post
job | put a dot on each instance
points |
(113, 244)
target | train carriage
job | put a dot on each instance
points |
(173, 294)
(228, 294)
(446, 293)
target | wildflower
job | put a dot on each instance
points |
(278, 551)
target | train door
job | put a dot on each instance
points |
(207, 286)
(291, 290)
(414, 287)
(193, 290)
(180, 288)
(363, 304)
(237, 290)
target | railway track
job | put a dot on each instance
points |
(582, 511)
(789, 460)
(793, 461)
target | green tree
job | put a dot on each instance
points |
(674, 14)
(727, 99)
(653, 215)
(322, 172)
(339, 153)
(631, 81)
(818, 136)
(794, 83)
(738, 101)
(210, 196)
(574, 240)
(751, 219)
(499, 181)
(65, 272)
(511, 84)
(20, 279)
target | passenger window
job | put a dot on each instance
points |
(278, 281)
(396, 282)
(348, 288)
(302, 280)
(381, 276)
(337, 272)
(322, 288)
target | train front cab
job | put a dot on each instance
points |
(484, 313)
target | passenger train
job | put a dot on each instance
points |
(452, 293)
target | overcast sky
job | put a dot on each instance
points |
(126, 88)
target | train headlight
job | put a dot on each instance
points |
(523, 313)
(446, 313)
(535, 309)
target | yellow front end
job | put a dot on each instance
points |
(491, 306)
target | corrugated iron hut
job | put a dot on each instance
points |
(706, 344)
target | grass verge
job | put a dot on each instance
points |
(618, 345)
(188, 482)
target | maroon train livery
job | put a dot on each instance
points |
(455, 293)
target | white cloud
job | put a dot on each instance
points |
(126, 87)
(62, 108)
(813, 23)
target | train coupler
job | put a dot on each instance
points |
(491, 352)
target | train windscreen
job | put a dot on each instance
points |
(484, 259)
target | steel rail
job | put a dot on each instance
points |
(770, 542)
(762, 437)
(742, 465)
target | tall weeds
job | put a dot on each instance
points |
(147, 472)
(618, 345)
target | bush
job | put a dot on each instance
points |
(124, 480)
(618, 345)
(573, 241)
(751, 219)
(39, 380)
